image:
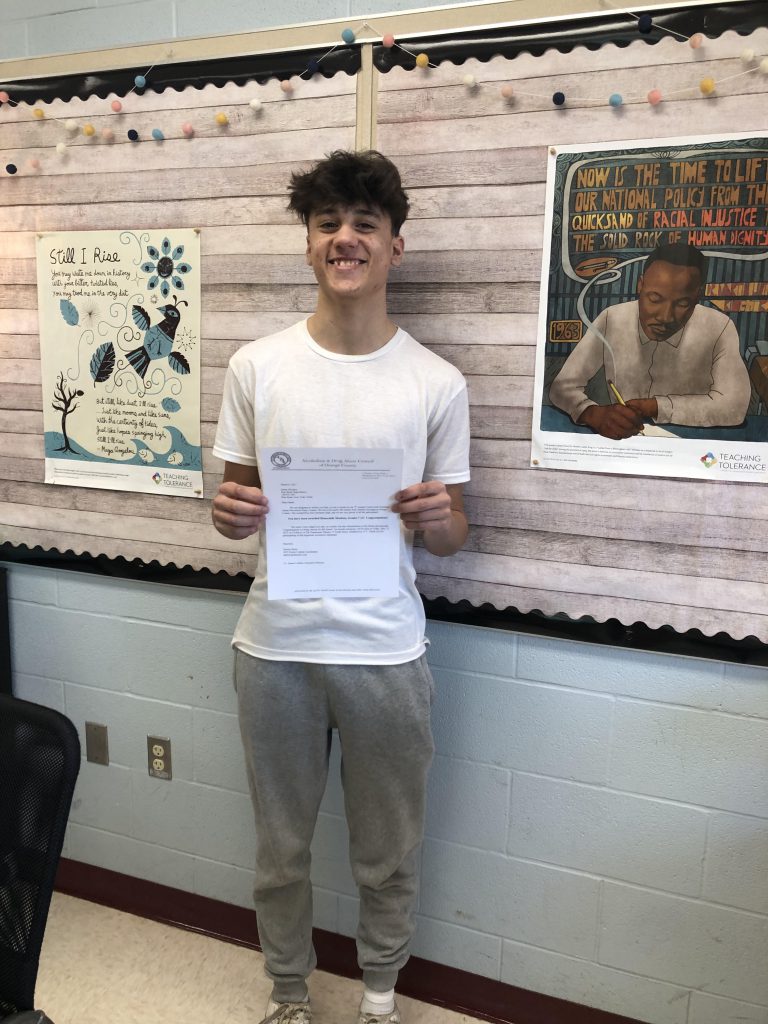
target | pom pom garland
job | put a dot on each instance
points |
(61, 148)
(255, 104)
(558, 99)
(696, 41)
(422, 60)
(139, 81)
(615, 99)
(11, 168)
(157, 135)
(348, 36)
(188, 130)
(654, 97)
(222, 119)
(89, 130)
(388, 41)
(286, 86)
(38, 113)
(707, 86)
(4, 97)
(117, 106)
(133, 135)
(507, 92)
(645, 23)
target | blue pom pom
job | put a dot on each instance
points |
(348, 35)
(645, 23)
(11, 168)
(615, 99)
(558, 99)
(313, 67)
(140, 81)
(133, 135)
(157, 134)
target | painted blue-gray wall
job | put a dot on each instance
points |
(598, 819)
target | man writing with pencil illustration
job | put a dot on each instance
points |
(666, 357)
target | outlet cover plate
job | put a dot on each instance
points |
(159, 757)
(96, 743)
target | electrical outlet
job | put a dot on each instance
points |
(96, 743)
(159, 757)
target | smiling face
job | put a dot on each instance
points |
(667, 295)
(351, 250)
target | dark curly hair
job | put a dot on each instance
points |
(343, 179)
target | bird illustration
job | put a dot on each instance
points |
(158, 339)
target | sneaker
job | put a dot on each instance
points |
(288, 1013)
(393, 1017)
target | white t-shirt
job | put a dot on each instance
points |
(286, 390)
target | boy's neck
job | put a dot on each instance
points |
(351, 331)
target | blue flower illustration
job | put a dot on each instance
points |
(163, 266)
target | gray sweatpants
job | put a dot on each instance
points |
(382, 713)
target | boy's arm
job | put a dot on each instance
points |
(436, 510)
(239, 507)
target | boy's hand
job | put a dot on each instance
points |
(424, 506)
(238, 511)
(437, 511)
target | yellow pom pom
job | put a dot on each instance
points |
(221, 118)
(422, 61)
(89, 130)
(38, 113)
(707, 86)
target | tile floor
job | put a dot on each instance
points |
(101, 966)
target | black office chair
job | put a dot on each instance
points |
(39, 762)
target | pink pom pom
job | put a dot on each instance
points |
(507, 92)
(188, 130)
(117, 106)
(107, 134)
(286, 86)
(654, 97)
(388, 40)
(696, 41)
(4, 97)
(34, 163)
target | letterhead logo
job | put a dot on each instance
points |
(709, 460)
(157, 478)
(280, 460)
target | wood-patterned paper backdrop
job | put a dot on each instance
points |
(655, 550)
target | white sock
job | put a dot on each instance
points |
(378, 1002)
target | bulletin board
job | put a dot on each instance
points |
(472, 143)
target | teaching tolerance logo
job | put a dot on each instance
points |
(157, 478)
(709, 460)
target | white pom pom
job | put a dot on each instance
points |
(61, 148)
(255, 104)
(71, 125)
(747, 56)
(469, 81)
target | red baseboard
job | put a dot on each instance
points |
(421, 979)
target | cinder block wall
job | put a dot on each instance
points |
(598, 819)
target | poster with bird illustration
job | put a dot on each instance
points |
(120, 353)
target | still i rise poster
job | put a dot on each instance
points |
(120, 353)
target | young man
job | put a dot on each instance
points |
(345, 377)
